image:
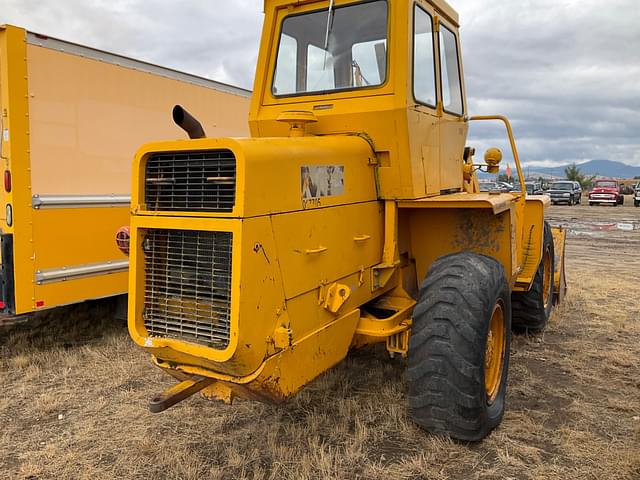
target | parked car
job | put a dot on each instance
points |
(579, 189)
(636, 195)
(487, 186)
(606, 191)
(501, 187)
(565, 191)
(504, 186)
(533, 188)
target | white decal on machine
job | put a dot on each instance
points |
(319, 181)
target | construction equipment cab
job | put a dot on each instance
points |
(351, 216)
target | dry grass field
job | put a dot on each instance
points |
(75, 392)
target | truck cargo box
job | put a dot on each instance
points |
(72, 118)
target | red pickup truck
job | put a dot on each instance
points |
(606, 191)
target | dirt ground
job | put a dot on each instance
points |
(75, 393)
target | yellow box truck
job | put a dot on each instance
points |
(71, 120)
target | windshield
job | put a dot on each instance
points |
(348, 53)
(561, 186)
(606, 185)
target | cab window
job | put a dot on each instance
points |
(424, 77)
(325, 51)
(450, 72)
(285, 79)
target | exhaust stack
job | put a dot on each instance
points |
(188, 123)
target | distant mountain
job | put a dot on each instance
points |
(601, 168)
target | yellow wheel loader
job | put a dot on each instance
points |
(351, 216)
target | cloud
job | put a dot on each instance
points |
(214, 39)
(565, 71)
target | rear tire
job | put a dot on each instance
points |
(636, 203)
(532, 309)
(459, 347)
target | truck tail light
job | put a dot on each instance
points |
(122, 239)
(7, 181)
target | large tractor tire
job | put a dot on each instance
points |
(532, 309)
(459, 347)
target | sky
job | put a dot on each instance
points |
(566, 72)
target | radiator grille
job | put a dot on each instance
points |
(203, 181)
(188, 285)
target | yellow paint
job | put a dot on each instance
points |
(95, 115)
(531, 240)
(408, 198)
(435, 232)
(74, 236)
(16, 153)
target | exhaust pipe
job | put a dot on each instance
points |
(188, 123)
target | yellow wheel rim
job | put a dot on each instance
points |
(546, 284)
(494, 353)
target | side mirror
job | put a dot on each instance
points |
(493, 157)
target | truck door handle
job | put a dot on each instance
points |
(313, 251)
(361, 238)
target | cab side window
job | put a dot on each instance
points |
(285, 80)
(424, 78)
(450, 72)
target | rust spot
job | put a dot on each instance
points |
(477, 230)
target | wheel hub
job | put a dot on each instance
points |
(494, 353)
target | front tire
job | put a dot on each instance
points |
(532, 309)
(459, 347)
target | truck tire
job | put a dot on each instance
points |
(459, 347)
(532, 309)
(636, 203)
(621, 199)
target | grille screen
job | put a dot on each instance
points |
(188, 285)
(202, 181)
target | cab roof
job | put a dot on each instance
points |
(440, 5)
